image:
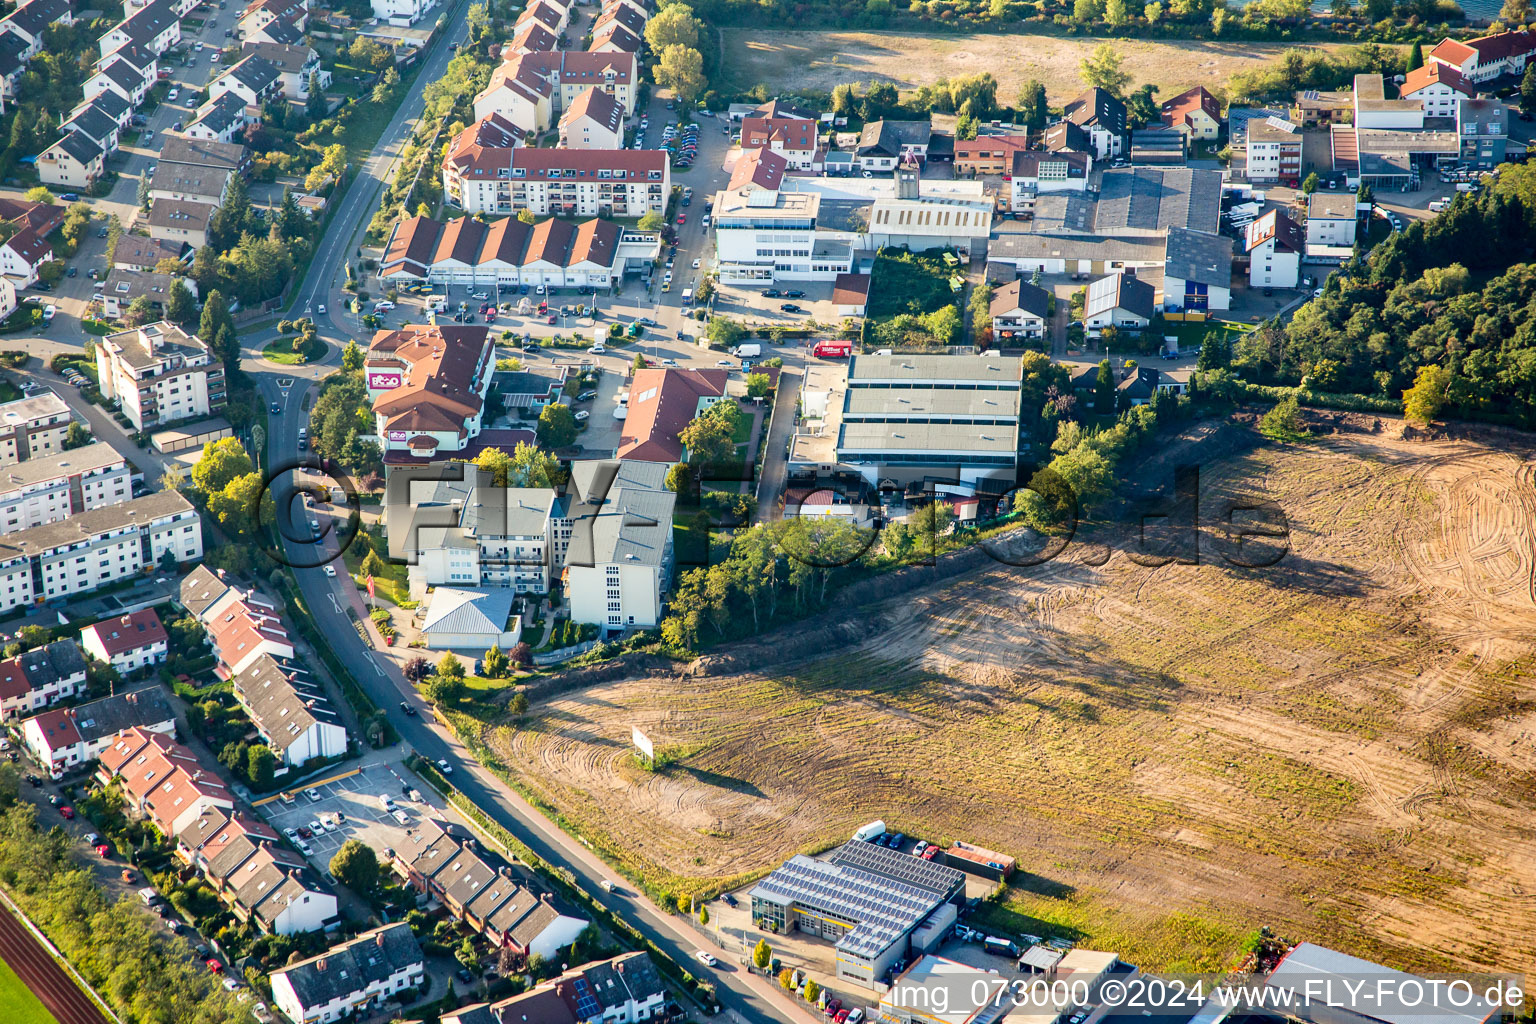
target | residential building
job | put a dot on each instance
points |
(594, 121)
(122, 287)
(1103, 117)
(21, 258)
(1486, 58)
(602, 533)
(793, 138)
(39, 677)
(985, 154)
(290, 711)
(120, 78)
(13, 64)
(1067, 137)
(401, 12)
(554, 16)
(261, 13)
(1275, 247)
(482, 893)
(194, 183)
(428, 385)
(1437, 87)
(295, 65)
(181, 222)
(914, 420)
(29, 20)
(1020, 312)
(159, 374)
(221, 120)
(280, 30)
(863, 900)
(661, 403)
(156, 27)
(245, 630)
(357, 977)
(50, 487)
(72, 162)
(135, 252)
(200, 153)
(114, 106)
(1312, 108)
(593, 255)
(764, 233)
(615, 38)
(1197, 272)
(1274, 151)
(627, 15)
(885, 144)
(162, 781)
(1483, 127)
(66, 738)
(1121, 301)
(97, 126)
(96, 547)
(531, 37)
(1332, 218)
(622, 990)
(484, 174)
(32, 427)
(1194, 113)
(129, 642)
(1033, 172)
(254, 79)
(1374, 110)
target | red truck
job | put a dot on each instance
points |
(833, 349)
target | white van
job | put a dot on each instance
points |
(387, 802)
(1438, 205)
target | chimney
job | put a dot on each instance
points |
(378, 940)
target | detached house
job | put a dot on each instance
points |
(884, 144)
(1275, 248)
(1195, 113)
(73, 162)
(128, 643)
(23, 255)
(1020, 312)
(1104, 118)
(1331, 218)
(39, 677)
(792, 138)
(1121, 301)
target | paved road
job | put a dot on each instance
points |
(37, 969)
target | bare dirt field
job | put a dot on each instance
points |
(1338, 746)
(822, 59)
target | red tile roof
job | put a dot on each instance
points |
(850, 290)
(129, 633)
(661, 403)
(760, 167)
(986, 146)
(1177, 110)
(442, 369)
(790, 133)
(598, 105)
(1432, 73)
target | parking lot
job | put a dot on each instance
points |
(749, 304)
(350, 808)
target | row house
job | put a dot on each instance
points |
(30, 20)
(355, 978)
(221, 120)
(65, 738)
(290, 711)
(50, 488)
(622, 990)
(161, 780)
(96, 125)
(615, 38)
(129, 643)
(482, 178)
(42, 676)
(120, 77)
(104, 545)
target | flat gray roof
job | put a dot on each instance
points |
(885, 404)
(77, 462)
(983, 439)
(997, 370)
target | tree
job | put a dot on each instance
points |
(495, 663)
(1283, 421)
(1515, 13)
(1032, 107)
(525, 216)
(654, 221)
(259, 765)
(758, 385)
(417, 669)
(243, 505)
(464, 953)
(1415, 57)
(966, 127)
(680, 479)
(762, 955)
(76, 436)
(709, 437)
(181, 305)
(787, 980)
(139, 311)
(1376, 10)
(521, 654)
(142, 194)
(40, 194)
(557, 426)
(373, 565)
(221, 462)
(1085, 12)
(1102, 70)
(1528, 89)
(1431, 387)
(812, 990)
(1104, 389)
(518, 705)
(314, 103)
(703, 914)
(1117, 13)
(672, 25)
(1311, 183)
(356, 866)
(478, 19)
(441, 691)
(353, 357)
(1142, 108)
(450, 667)
(1341, 8)
(682, 70)
(638, 363)
(724, 332)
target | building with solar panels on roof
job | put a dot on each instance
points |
(876, 904)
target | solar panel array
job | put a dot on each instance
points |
(903, 867)
(884, 909)
(587, 1006)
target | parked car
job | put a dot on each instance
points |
(408, 708)
(313, 794)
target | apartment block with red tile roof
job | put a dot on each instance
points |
(39, 677)
(595, 120)
(128, 643)
(1486, 58)
(491, 179)
(1440, 87)
(661, 403)
(428, 383)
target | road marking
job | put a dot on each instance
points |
(335, 605)
(377, 667)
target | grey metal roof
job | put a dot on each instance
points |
(895, 405)
(996, 371)
(1386, 993)
(860, 438)
(1144, 200)
(884, 910)
(469, 611)
(1200, 256)
(1029, 246)
(350, 967)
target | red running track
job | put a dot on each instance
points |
(42, 974)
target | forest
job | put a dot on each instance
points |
(1434, 295)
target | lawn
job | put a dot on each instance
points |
(392, 586)
(283, 352)
(21, 1006)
